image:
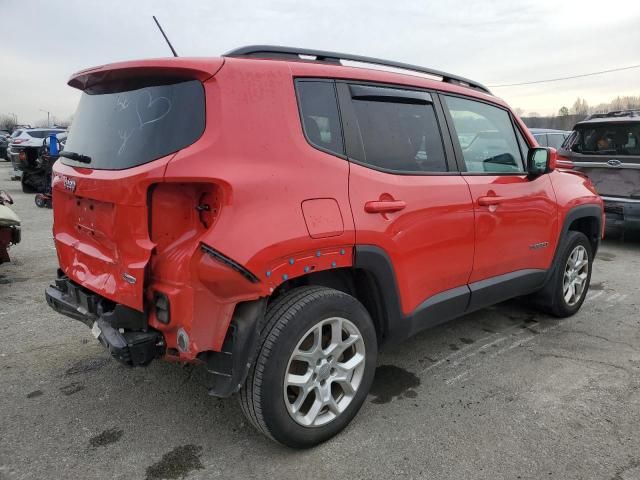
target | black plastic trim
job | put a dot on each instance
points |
(292, 53)
(387, 94)
(581, 211)
(443, 306)
(485, 293)
(132, 348)
(232, 264)
(231, 365)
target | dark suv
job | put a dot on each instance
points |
(278, 217)
(606, 147)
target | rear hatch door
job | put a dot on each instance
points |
(131, 120)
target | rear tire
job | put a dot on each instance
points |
(314, 368)
(568, 286)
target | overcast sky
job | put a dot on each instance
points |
(493, 42)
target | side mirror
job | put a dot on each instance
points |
(538, 161)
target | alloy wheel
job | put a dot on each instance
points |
(576, 272)
(324, 372)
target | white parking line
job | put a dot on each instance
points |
(456, 356)
(594, 294)
(453, 380)
(499, 352)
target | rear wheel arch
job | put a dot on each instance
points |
(371, 281)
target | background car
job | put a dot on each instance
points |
(25, 138)
(606, 147)
(547, 137)
(4, 143)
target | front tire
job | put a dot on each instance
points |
(569, 284)
(314, 368)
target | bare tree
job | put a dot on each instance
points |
(7, 122)
(580, 107)
(66, 123)
(42, 123)
(563, 112)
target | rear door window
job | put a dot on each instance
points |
(319, 114)
(486, 136)
(126, 126)
(399, 130)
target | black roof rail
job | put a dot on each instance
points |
(291, 53)
(615, 113)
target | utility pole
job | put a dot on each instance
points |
(48, 116)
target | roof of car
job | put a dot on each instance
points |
(273, 52)
(300, 61)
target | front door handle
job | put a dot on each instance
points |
(489, 201)
(384, 206)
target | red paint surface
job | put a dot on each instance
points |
(322, 217)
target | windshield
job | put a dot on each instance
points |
(607, 139)
(127, 128)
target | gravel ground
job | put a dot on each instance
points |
(503, 393)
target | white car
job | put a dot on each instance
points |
(27, 137)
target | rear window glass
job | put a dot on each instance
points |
(127, 128)
(607, 139)
(319, 112)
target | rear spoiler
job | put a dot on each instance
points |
(188, 68)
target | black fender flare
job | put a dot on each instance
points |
(576, 213)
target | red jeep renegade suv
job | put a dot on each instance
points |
(278, 216)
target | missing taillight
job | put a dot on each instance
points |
(163, 308)
(181, 210)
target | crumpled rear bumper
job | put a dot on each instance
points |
(122, 330)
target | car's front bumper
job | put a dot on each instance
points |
(622, 213)
(122, 330)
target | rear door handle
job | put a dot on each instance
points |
(488, 201)
(384, 206)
